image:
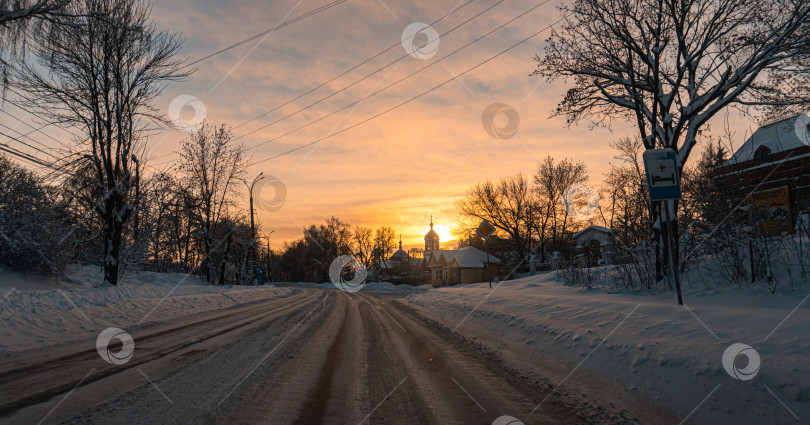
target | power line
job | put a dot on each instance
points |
(29, 138)
(34, 130)
(30, 112)
(400, 80)
(22, 155)
(279, 26)
(350, 70)
(341, 75)
(38, 129)
(415, 97)
(26, 144)
(371, 74)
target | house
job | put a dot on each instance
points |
(594, 246)
(771, 173)
(465, 265)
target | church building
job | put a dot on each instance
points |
(456, 266)
(431, 240)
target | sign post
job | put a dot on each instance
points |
(664, 184)
(485, 230)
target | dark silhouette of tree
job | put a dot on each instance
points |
(99, 69)
(670, 66)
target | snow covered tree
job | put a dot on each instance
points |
(670, 66)
(98, 70)
(36, 231)
(15, 18)
(709, 200)
(16, 10)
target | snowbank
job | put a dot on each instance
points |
(41, 312)
(646, 344)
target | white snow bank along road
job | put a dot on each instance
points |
(33, 317)
(648, 347)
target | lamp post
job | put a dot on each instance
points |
(252, 226)
(266, 269)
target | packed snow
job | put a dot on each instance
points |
(647, 343)
(40, 312)
(643, 343)
(376, 288)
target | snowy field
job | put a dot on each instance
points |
(36, 313)
(646, 344)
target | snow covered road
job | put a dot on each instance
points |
(316, 356)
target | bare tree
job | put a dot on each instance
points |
(672, 65)
(212, 166)
(625, 192)
(385, 240)
(363, 244)
(161, 218)
(102, 76)
(558, 189)
(505, 204)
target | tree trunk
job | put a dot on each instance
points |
(225, 255)
(185, 263)
(112, 237)
(206, 264)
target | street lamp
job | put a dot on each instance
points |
(252, 226)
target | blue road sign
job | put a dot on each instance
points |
(662, 174)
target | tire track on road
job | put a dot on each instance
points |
(69, 364)
(314, 409)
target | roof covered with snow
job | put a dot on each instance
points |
(400, 255)
(467, 257)
(468, 261)
(594, 228)
(785, 135)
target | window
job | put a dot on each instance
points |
(763, 154)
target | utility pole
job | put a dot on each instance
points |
(489, 267)
(485, 230)
(664, 182)
(252, 226)
(269, 274)
(673, 258)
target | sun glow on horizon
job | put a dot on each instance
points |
(443, 231)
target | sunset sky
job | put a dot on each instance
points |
(404, 166)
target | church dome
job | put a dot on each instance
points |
(431, 234)
(431, 238)
(400, 255)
